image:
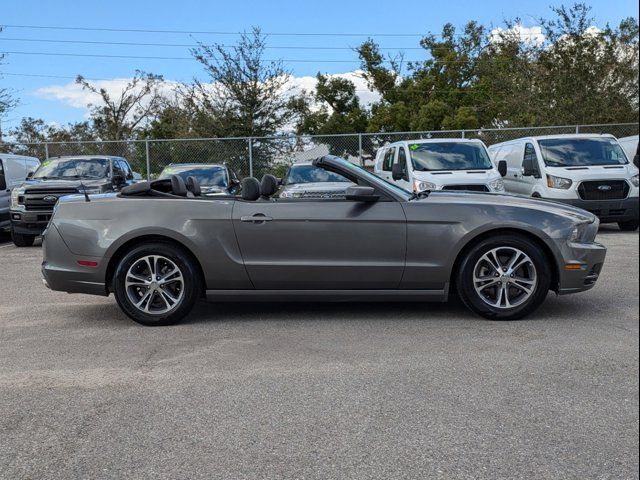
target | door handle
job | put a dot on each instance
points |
(256, 218)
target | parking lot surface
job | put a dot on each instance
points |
(319, 390)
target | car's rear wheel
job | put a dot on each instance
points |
(628, 226)
(504, 277)
(21, 240)
(157, 284)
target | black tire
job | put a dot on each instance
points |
(474, 301)
(628, 226)
(21, 240)
(191, 287)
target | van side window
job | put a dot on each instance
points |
(402, 158)
(530, 153)
(387, 163)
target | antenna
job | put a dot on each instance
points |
(84, 189)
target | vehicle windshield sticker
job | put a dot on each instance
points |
(45, 163)
(414, 146)
(169, 171)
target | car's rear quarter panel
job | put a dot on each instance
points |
(101, 228)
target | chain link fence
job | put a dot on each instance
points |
(257, 156)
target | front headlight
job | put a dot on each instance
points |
(16, 193)
(419, 186)
(497, 185)
(91, 191)
(635, 181)
(578, 232)
(558, 182)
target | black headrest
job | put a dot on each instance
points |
(268, 186)
(178, 186)
(141, 188)
(193, 186)
(250, 188)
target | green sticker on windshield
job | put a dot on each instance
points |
(45, 163)
(414, 146)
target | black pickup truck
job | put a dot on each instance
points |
(32, 203)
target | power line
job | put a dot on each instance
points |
(215, 32)
(187, 45)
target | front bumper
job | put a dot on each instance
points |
(29, 223)
(608, 211)
(61, 271)
(582, 264)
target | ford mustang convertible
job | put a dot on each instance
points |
(160, 247)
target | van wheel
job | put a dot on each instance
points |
(504, 277)
(21, 240)
(157, 284)
(628, 226)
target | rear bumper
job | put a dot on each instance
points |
(29, 223)
(583, 263)
(61, 271)
(608, 211)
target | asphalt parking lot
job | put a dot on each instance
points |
(319, 390)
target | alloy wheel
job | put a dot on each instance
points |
(154, 285)
(505, 277)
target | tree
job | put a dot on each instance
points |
(7, 99)
(247, 95)
(119, 117)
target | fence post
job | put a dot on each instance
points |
(250, 140)
(148, 158)
(577, 128)
(46, 150)
(360, 157)
(462, 133)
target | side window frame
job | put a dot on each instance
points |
(3, 177)
(388, 159)
(530, 152)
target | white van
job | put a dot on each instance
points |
(630, 147)
(586, 170)
(14, 169)
(438, 164)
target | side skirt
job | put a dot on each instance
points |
(328, 295)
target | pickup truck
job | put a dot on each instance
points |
(32, 202)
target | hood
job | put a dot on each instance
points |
(318, 187)
(458, 177)
(595, 172)
(40, 184)
(510, 200)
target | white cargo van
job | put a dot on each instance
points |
(586, 170)
(14, 170)
(438, 164)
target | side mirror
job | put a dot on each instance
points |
(398, 172)
(361, 194)
(636, 161)
(502, 168)
(117, 179)
(30, 174)
(527, 167)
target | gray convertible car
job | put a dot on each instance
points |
(162, 246)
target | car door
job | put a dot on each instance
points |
(527, 183)
(514, 180)
(321, 244)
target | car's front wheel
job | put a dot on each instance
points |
(21, 240)
(504, 277)
(157, 284)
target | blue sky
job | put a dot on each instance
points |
(53, 98)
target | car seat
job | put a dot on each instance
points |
(250, 189)
(194, 186)
(268, 187)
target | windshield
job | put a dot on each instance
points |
(311, 174)
(374, 179)
(206, 176)
(73, 168)
(449, 156)
(577, 152)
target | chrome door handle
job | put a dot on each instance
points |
(257, 218)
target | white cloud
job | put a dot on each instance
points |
(529, 35)
(73, 95)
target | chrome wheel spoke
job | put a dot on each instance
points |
(505, 277)
(154, 285)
